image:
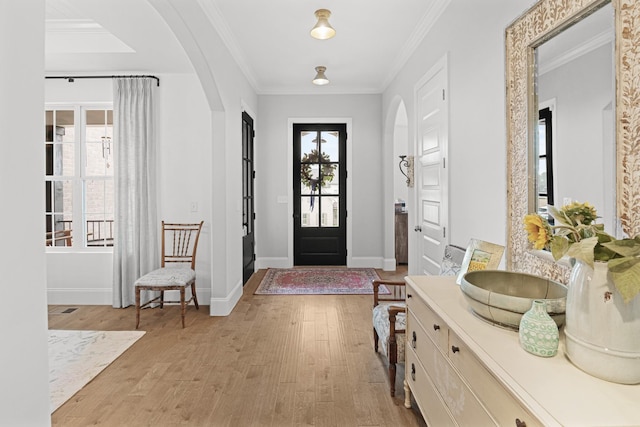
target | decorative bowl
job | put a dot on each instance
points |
(502, 297)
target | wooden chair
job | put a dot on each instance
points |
(177, 268)
(389, 312)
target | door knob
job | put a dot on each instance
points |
(417, 228)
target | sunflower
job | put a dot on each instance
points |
(538, 230)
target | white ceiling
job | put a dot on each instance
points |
(269, 39)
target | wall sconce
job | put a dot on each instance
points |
(407, 162)
(320, 79)
(323, 30)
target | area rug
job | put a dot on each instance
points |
(321, 280)
(76, 357)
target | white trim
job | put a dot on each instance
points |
(389, 264)
(368, 262)
(224, 306)
(290, 122)
(273, 262)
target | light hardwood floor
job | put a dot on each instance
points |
(274, 361)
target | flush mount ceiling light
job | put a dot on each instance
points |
(323, 30)
(320, 79)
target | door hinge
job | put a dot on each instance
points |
(254, 216)
(444, 232)
(253, 134)
(253, 174)
(443, 94)
(444, 163)
(254, 257)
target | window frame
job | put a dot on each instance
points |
(79, 177)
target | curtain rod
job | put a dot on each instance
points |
(72, 78)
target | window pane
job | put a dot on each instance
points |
(99, 230)
(330, 178)
(309, 178)
(59, 212)
(542, 175)
(99, 160)
(59, 159)
(309, 211)
(329, 143)
(542, 137)
(308, 145)
(64, 125)
(99, 143)
(329, 214)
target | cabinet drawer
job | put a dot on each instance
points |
(431, 405)
(502, 406)
(462, 404)
(431, 322)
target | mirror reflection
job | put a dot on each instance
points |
(575, 142)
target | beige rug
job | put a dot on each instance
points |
(76, 357)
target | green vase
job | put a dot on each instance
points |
(538, 332)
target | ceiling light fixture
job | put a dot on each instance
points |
(323, 30)
(320, 79)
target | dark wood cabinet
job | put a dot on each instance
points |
(401, 231)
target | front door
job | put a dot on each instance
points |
(248, 213)
(319, 190)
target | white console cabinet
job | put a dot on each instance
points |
(463, 371)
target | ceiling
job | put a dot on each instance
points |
(269, 40)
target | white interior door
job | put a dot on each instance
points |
(430, 169)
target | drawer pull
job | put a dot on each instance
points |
(413, 340)
(436, 327)
(520, 423)
(413, 372)
(455, 348)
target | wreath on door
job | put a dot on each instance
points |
(327, 169)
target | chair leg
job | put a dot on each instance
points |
(393, 358)
(161, 299)
(193, 294)
(137, 307)
(183, 306)
(375, 340)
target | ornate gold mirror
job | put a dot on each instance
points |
(544, 21)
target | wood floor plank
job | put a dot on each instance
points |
(276, 360)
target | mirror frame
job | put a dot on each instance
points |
(538, 24)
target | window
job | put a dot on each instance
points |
(79, 186)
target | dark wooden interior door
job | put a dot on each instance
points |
(320, 178)
(248, 213)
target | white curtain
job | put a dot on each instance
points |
(135, 250)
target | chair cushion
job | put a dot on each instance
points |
(167, 277)
(381, 325)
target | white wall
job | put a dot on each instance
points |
(472, 35)
(24, 383)
(184, 129)
(272, 174)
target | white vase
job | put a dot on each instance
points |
(602, 332)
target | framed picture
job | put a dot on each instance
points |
(480, 255)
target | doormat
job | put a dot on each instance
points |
(318, 281)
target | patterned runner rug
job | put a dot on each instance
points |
(76, 357)
(318, 280)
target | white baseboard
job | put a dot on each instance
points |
(80, 296)
(366, 262)
(282, 262)
(224, 306)
(389, 264)
(98, 296)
